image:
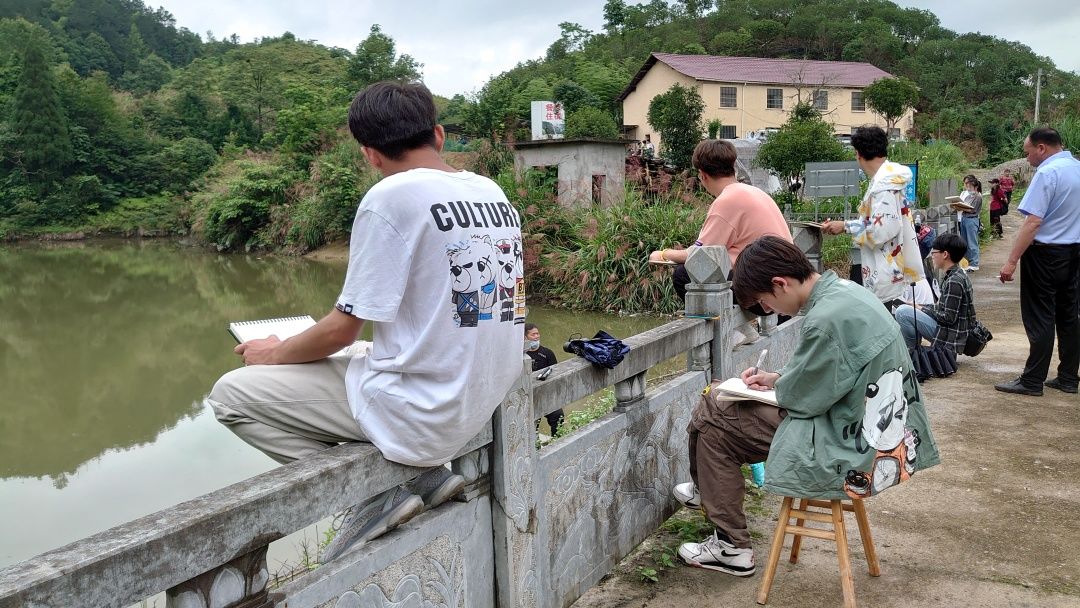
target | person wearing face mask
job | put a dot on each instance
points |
(541, 357)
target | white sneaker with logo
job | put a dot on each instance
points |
(716, 553)
(687, 494)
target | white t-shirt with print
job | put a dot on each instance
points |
(435, 262)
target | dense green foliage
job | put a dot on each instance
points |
(107, 110)
(804, 138)
(591, 122)
(974, 89)
(891, 98)
(114, 118)
(597, 258)
(676, 115)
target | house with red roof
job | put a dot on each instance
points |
(751, 94)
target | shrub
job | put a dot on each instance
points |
(805, 138)
(492, 158)
(938, 160)
(591, 122)
(233, 222)
(676, 114)
(148, 215)
(597, 258)
(234, 216)
(714, 127)
(182, 162)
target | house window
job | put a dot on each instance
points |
(727, 132)
(774, 99)
(597, 189)
(821, 100)
(858, 104)
(727, 97)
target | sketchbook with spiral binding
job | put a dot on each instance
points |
(284, 327)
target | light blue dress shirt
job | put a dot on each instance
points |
(1054, 196)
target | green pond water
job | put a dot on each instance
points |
(106, 352)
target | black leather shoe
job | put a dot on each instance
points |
(1019, 388)
(1059, 385)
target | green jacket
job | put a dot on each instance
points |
(856, 422)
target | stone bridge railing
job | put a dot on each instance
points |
(537, 528)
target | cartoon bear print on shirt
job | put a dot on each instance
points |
(883, 429)
(466, 276)
(486, 266)
(507, 253)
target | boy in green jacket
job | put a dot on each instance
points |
(851, 421)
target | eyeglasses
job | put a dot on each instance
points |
(933, 251)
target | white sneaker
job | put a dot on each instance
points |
(687, 494)
(372, 519)
(972, 268)
(715, 553)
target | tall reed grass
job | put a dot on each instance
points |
(596, 258)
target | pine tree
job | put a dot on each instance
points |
(41, 135)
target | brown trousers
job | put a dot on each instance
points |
(723, 436)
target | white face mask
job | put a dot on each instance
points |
(532, 345)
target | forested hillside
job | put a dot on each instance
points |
(114, 117)
(975, 90)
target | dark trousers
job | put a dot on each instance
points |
(554, 419)
(1049, 293)
(724, 435)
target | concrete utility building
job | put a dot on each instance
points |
(751, 94)
(590, 171)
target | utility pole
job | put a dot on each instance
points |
(1038, 87)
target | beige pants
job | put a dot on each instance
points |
(287, 411)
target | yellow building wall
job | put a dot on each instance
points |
(636, 105)
(750, 113)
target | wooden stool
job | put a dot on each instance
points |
(833, 514)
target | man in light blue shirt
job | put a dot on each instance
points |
(1047, 247)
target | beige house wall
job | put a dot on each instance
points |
(636, 105)
(750, 113)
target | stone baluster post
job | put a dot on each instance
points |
(514, 469)
(629, 391)
(708, 295)
(241, 583)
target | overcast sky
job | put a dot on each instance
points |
(465, 42)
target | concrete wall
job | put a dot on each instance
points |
(536, 528)
(578, 161)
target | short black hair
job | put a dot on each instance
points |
(757, 264)
(1046, 136)
(529, 327)
(953, 244)
(393, 117)
(870, 142)
(715, 158)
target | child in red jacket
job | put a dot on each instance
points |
(999, 205)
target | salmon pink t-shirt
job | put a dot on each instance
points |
(739, 216)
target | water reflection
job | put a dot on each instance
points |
(106, 346)
(106, 351)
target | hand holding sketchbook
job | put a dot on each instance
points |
(285, 327)
(737, 388)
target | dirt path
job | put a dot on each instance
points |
(994, 525)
